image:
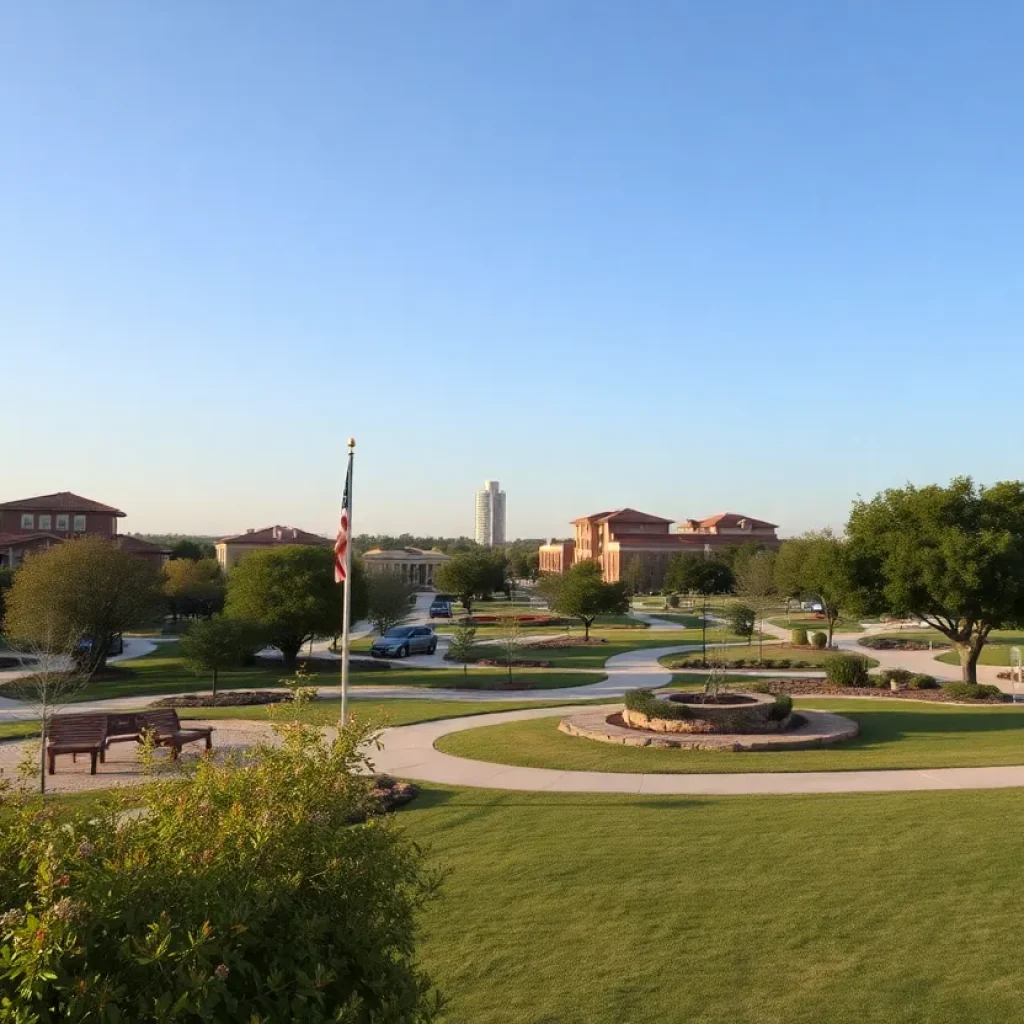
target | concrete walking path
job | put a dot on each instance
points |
(408, 752)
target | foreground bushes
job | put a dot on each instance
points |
(847, 670)
(272, 890)
(799, 637)
(818, 641)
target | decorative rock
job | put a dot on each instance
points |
(817, 729)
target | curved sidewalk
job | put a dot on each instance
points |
(408, 752)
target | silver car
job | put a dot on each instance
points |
(401, 641)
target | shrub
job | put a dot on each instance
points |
(900, 676)
(847, 670)
(782, 663)
(799, 637)
(646, 703)
(759, 688)
(673, 600)
(264, 889)
(922, 681)
(972, 691)
(818, 641)
(781, 708)
(740, 663)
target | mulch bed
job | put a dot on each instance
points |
(819, 688)
(228, 699)
(516, 663)
(562, 642)
(882, 643)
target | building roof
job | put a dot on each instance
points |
(622, 515)
(733, 519)
(405, 553)
(62, 501)
(9, 540)
(271, 535)
(138, 546)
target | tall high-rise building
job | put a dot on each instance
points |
(490, 515)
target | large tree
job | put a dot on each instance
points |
(581, 593)
(78, 596)
(818, 566)
(387, 599)
(472, 574)
(194, 586)
(696, 574)
(951, 556)
(289, 594)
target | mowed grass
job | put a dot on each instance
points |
(604, 909)
(767, 653)
(164, 672)
(812, 624)
(893, 734)
(619, 642)
(995, 652)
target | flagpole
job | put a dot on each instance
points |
(346, 602)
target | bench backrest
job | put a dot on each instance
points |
(77, 729)
(161, 719)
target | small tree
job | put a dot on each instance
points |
(755, 583)
(387, 599)
(508, 640)
(582, 594)
(460, 648)
(818, 565)
(741, 620)
(467, 575)
(218, 643)
(85, 588)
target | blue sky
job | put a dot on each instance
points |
(689, 257)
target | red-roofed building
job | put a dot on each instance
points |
(631, 544)
(231, 549)
(30, 525)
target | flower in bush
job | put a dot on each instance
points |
(265, 889)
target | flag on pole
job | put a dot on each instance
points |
(342, 540)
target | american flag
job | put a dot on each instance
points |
(341, 542)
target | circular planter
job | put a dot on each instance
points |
(732, 713)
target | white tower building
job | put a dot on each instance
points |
(490, 515)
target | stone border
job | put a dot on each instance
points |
(818, 729)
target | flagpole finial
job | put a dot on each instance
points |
(351, 443)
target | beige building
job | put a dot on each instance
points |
(637, 546)
(416, 565)
(231, 549)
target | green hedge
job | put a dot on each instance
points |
(783, 706)
(847, 670)
(818, 641)
(647, 704)
(799, 637)
(972, 691)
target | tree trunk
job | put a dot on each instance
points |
(969, 654)
(290, 656)
(586, 628)
(215, 686)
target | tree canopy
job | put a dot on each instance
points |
(194, 586)
(387, 599)
(581, 593)
(76, 597)
(951, 556)
(695, 574)
(817, 565)
(472, 574)
(289, 594)
(217, 643)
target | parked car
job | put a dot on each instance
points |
(440, 608)
(401, 641)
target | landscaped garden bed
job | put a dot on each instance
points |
(821, 687)
(230, 699)
(895, 643)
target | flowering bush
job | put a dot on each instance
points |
(264, 889)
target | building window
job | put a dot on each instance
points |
(44, 522)
(79, 524)
(28, 521)
(62, 523)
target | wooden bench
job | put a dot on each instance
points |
(93, 734)
(76, 734)
(168, 731)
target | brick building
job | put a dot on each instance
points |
(638, 546)
(231, 549)
(30, 525)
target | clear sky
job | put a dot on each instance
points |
(685, 256)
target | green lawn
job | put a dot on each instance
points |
(679, 618)
(773, 652)
(995, 652)
(605, 909)
(164, 672)
(894, 734)
(18, 730)
(809, 622)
